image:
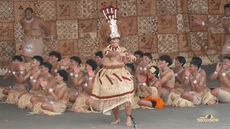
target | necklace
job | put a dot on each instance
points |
(176, 74)
(60, 85)
(226, 17)
(29, 21)
(153, 82)
(164, 72)
(114, 48)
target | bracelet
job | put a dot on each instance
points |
(223, 74)
(62, 67)
(55, 70)
(186, 77)
(14, 73)
(90, 78)
(86, 84)
(176, 74)
(76, 75)
(71, 74)
(9, 71)
(195, 81)
(216, 72)
(203, 23)
(51, 90)
(143, 84)
(34, 80)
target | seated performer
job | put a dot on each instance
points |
(45, 75)
(139, 57)
(54, 58)
(144, 64)
(32, 75)
(113, 85)
(99, 59)
(180, 85)
(150, 92)
(222, 73)
(197, 80)
(83, 102)
(167, 76)
(18, 70)
(56, 100)
(76, 77)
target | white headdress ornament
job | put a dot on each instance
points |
(110, 14)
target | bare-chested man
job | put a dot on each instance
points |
(167, 77)
(76, 77)
(57, 99)
(144, 64)
(150, 92)
(222, 73)
(90, 69)
(180, 82)
(35, 30)
(197, 79)
(18, 70)
(139, 57)
(225, 21)
(99, 59)
(45, 75)
(54, 58)
(32, 75)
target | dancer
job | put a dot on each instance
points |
(113, 86)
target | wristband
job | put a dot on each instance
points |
(90, 78)
(203, 23)
(195, 81)
(51, 90)
(223, 74)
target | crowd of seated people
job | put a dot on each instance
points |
(56, 85)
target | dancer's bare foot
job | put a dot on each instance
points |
(117, 121)
(128, 121)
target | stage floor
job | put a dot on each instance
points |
(12, 117)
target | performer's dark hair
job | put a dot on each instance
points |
(148, 55)
(56, 54)
(196, 63)
(181, 59)
(166, 58)
(131, 66)
(109, 39)
(17, 58)
(63, 74)
(47, 65)
(99, 53)
(92, 63)
(227, 5)
(29, 9)
(140, 53)
(197, 58)
(227, 57)
(76, 59)
(39, 59)
(157, 71)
